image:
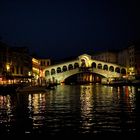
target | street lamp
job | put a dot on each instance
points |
(8, 67)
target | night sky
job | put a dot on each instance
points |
(65, 28)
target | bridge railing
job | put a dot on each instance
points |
(106, 73)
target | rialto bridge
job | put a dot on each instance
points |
(85, 67)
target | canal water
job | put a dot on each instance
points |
(72, 110)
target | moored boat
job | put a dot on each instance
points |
(31, 89)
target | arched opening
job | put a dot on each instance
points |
(99, 66)
(123, 71)
(52, 71)
(105, 67)
(111, 68)
(70, 67)
(83, 63)
(76, 65)
(47, 73)
(58, 70)
(64, 68)
(117, 69)
(93, 65)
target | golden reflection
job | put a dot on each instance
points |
(5, 102)
(37, 105)
(30, 102)
(8, 104)
(35, 101)
(126, 94)
(2, 101)
(86, 105)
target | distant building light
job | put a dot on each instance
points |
(7, 67)
(29, 73)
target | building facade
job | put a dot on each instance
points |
(130, 58)
(106, 56)
(43, 64)
(15, 63)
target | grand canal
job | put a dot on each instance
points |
(71, 110)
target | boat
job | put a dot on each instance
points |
(31, 89)
(51, 86)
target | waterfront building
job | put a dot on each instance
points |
(106, 56)
(130, 58)
(15, 62)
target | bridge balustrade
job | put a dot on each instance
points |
(65, 70)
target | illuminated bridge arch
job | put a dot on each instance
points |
(84, 62)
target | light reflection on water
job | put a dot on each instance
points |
(75, 109)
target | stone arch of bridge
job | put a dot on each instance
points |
(69, 67)
(86, 63)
